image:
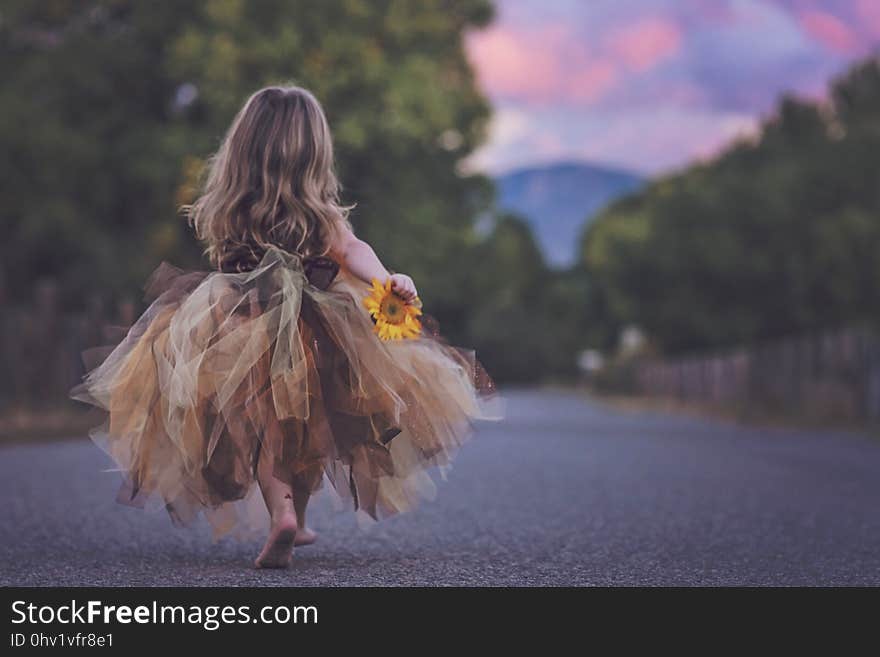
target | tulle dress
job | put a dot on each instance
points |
(278, 361)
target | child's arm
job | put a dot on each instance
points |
(361, 260)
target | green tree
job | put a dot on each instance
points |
(526, 321)
(505, 320)
(88, 160)
(110, 107)
(776, 236)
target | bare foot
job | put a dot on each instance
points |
(279, 546)
(304, 536)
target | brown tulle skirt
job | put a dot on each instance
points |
(280, 362)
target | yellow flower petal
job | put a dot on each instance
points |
(394, 318)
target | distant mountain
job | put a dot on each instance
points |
(560, 199)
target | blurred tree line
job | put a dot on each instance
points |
(779, 235)
(110, 108)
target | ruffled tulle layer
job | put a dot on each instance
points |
(280, 363)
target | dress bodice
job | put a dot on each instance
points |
(320, 271)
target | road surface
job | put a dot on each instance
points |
(564, 492)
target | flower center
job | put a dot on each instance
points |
(392, 308)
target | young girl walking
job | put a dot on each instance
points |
(299, 359)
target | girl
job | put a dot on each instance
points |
(270, 369)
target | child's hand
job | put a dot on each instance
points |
(404, 287)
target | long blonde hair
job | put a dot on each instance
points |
(271, 183)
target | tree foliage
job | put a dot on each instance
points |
(778, 235)
(110, 108)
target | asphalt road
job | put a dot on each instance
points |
(564, 492)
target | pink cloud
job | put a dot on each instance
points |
(650, 84)
(645, 44)
(508, 63)
(829, 30)
(592, 80)
(869, 15)
(540, 65)
(552, 62)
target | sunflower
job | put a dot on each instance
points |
(395, 318)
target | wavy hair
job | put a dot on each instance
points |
(271, 183)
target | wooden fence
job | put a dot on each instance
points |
(834, 375)
(41, 347)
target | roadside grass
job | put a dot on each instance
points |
(20, 424)
(738, 414)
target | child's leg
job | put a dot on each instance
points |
(304, 535)
(279, 500)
